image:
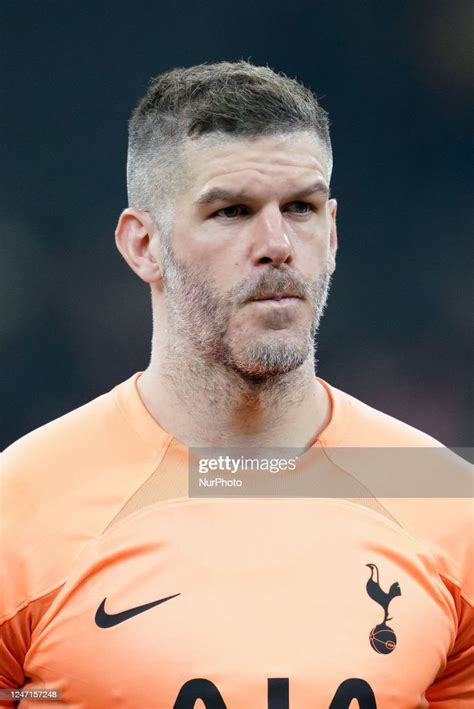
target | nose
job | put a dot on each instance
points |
(270, 243)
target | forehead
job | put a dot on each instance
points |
(262, 163)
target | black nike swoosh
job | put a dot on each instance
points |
(108, 620)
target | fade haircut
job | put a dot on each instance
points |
(230, 99)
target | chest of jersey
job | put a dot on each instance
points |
(247, 604)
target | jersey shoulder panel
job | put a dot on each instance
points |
(59, 487)
(356, 424)
(433, 486)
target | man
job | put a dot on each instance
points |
(119, 588)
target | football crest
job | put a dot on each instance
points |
(382, 638)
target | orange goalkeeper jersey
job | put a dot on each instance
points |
(118, 589)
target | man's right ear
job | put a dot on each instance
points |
(135, 235)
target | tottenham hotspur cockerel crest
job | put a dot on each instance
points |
(382, 638)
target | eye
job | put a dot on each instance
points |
(236, 210)
(300, 207)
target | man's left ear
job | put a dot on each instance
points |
(332, 234)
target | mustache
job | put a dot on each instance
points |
(271, 282)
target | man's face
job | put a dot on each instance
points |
(248, 263)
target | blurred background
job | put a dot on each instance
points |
(396, 79)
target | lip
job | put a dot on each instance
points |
(279, 301)
(279, 296)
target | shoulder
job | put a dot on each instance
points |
(47, 452)
(59, 487)
(51, 471)
(426, 487)
(355, 423)
(42, 471)
(36, 507)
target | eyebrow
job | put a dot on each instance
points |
(218, 194)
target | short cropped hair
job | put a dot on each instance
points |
(235, 99)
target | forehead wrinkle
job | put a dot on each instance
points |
(209, 160)
(269, 168)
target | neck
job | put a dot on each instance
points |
(205, 405)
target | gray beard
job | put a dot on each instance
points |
(198, 321)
